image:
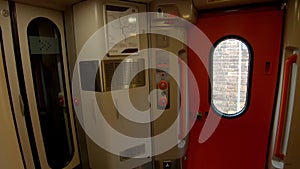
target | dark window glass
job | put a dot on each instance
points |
(51, 97)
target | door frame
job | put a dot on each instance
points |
(14, 87)
(11, 156)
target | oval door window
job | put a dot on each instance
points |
(49, 85)
(230, 65)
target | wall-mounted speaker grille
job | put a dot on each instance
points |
(122, 74)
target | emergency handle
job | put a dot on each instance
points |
(283, 104)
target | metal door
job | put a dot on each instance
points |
(237, 107)
(44, 86)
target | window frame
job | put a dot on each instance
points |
(52, 163)
(249, 78)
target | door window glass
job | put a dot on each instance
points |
(50, 92)
(230, 76)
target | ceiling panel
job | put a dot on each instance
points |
(52, 4)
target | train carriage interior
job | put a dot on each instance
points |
(149, 84)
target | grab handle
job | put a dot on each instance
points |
(282, 112)
(182, 99)
(183, 95)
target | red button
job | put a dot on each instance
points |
(163, 102)
(163, 85)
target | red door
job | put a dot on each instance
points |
(240, 141)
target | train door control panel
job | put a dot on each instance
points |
(162, 81)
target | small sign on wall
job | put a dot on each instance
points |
(123, 25)
(43, 45)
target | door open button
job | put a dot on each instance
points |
(163, 85)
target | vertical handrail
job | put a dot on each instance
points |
(182, 98)
(183, 95)
(282, 112)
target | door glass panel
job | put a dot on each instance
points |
(49, 84)
(230, 71)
